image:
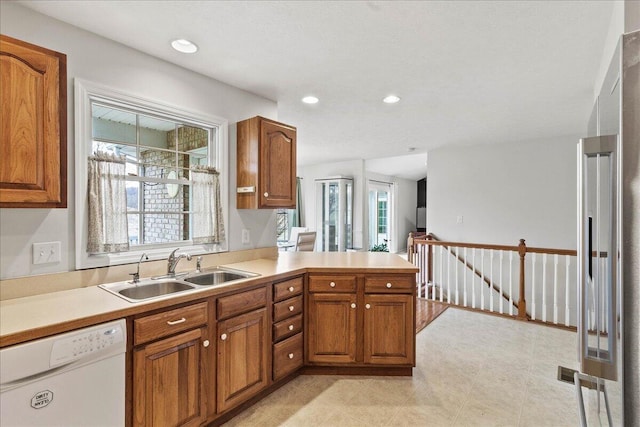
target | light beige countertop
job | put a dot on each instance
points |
(23, 319)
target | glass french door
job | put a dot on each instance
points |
(334, 199)
(380, 212)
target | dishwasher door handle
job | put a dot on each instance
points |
(34, 377)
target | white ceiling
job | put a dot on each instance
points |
(468, 73)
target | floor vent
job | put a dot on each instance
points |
(566, 375)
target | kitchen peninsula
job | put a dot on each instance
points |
(315, 313)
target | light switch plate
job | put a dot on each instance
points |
(46, 252)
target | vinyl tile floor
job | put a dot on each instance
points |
(472, 369)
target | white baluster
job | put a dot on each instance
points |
(555, 289)
(482, 279)
(533, 286)
(491, 287)
(501, 298)
(544, 287)
(464, 277)
(441, 273)
(449, 276)
(510, 283)
(473, 278)
(457, 267)
(566, 291)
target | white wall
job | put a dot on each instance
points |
(505, 192)
(102, 61)
(406, 199)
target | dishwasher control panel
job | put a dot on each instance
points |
(87, 343)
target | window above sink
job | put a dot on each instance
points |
(161, 146)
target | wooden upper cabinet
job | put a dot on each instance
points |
(33, 123)
(266, 164)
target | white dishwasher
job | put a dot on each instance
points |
(71, 379)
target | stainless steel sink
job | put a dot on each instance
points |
(162, 286)
(217, 276)
(148, 289)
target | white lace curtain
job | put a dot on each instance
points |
(207, 220)
(108, 230)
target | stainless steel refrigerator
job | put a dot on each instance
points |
(607, 385)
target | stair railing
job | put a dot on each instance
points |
(537, 283)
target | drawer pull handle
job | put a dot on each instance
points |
(367, 306)
(290, 288)
(175, 322)
(206, 343)
(291, 327)
(290, 355)
(388, 285)
(332, 284)
(291, 308)
(353, 305)
(223, 337)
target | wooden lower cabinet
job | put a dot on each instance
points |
(361, 320)
(243, 349)
(331, 328)
(389, 329)
(168, 381)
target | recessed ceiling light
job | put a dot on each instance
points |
(391, 99)
(310, 100)
(184, 46)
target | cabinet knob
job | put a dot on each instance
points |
(205, 343)
(291, 327)
(290, 355)
(290, 288)
(332, 284)
(291, 308)
(389, 285)
(266, 194)
(223, 337)
(353, 305)
(367, 306)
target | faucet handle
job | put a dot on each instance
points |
(136, 277)
(198, 264)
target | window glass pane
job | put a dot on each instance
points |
(133, 221)
(156, 132)
(133, 196)
(158, 164)
(164, 228)
(113, 124)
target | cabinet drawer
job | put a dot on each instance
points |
(287, 327)
(332, 284)
(287, 308)
(169, 322)
(287, 289)
(241, 303)
(287, 356)
(389, 284)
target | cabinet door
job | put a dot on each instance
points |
(389, 329)
(277, 165)
(332, 328)
(242, 358)
(33, 122)
(168, 383)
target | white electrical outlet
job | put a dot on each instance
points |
(459, 219)
(46, 252)
(246, 236)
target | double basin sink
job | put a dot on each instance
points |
(158, 287)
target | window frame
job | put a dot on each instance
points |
(85, 93)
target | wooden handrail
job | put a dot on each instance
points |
(430, 241)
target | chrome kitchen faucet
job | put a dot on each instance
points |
(173, 260)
